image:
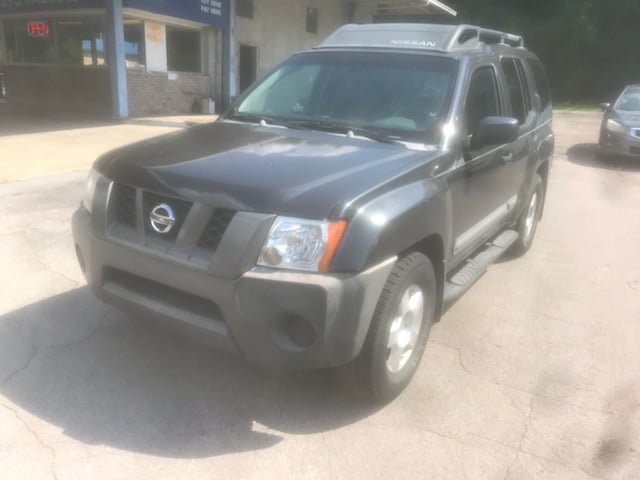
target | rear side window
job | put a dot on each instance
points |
(542, 84)
(518, 90)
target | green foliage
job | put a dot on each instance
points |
(588, 46)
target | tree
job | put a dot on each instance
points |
(588, 46)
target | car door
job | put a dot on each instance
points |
(481, 197)
(520, 106)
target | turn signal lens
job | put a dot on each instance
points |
(335, 232)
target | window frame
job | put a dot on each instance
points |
(529, 107)
(498, 93)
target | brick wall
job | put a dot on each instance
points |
(59, 87)
(155, 93)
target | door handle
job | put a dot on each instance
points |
(507, 156)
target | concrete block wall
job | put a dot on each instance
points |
(278, 28)
(162, 93)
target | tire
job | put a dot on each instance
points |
(528, 222)
(387, 362)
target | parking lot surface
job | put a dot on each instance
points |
(534, 374)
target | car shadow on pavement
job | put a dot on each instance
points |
(108, 379)
(586, 154)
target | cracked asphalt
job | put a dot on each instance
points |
(534, 374)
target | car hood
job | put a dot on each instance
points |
(261, 169)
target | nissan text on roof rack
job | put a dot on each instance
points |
(337, 208)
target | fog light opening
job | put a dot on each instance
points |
(294, 333)
(301, 332)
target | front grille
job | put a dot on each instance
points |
(215, 228)
(180, 210)
(125, 204)
(634, 150)
(125, 213)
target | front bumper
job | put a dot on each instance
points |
(275, 319)
(617, 144)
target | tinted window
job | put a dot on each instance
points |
(515, 88)
(482, 99)
(542, 84)
(528, 104)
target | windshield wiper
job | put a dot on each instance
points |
(322, 125)
(349, 130)
(265, 120)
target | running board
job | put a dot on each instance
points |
(463, 279)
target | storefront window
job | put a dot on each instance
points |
(183, 50)
(25, 47)
(134, 43)
(70, 40)
(80, 42)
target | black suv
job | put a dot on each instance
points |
(332, 214)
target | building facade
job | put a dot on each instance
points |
(54, 54)
(145, 57)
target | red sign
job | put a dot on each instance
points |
(38, 29)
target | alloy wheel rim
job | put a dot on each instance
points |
(405, 328)
(532, 213)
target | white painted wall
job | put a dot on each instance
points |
(278, 28)
(155, 46)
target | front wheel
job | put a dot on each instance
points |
(399, 330)
(528, 221)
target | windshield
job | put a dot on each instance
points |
(403, 97)
(629, 100)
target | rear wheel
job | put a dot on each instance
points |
(399, 330)
(528, 221)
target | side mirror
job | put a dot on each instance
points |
(605, 107)
(495, 131)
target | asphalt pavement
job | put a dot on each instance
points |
(533, 374)
(34, 145)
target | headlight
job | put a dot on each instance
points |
(90, 190)
(299, 244)
(616, 127)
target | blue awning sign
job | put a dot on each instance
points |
(209, 12)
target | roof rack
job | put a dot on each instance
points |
(444, 38)
(466, 34)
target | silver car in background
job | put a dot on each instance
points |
(620, 129)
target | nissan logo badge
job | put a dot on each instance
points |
(162, 218)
